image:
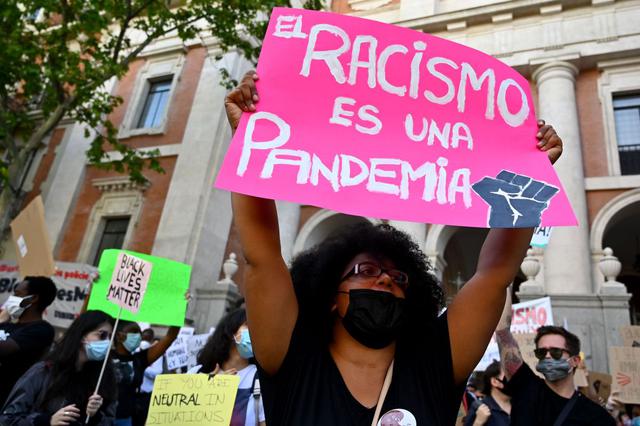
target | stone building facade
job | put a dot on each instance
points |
(583, 63)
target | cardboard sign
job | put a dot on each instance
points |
(192, 399)
(624, 363)
(630, 335)
(71, 281)
(196, 343)
(376, 120)
(177, 356)
(164, 301)
(600, 384)
(31, 240)
(129, 282)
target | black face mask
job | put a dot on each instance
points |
(373, 317)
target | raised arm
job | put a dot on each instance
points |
(498, 263)
(272, 307)
(510, 356)
(156, 351)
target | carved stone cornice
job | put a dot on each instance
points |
(118, 184)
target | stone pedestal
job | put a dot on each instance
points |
(212, 303)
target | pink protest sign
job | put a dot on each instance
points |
(375, 120)
(129, 282)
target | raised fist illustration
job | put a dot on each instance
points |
(515, 201)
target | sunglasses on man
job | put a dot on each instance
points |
(556, 353)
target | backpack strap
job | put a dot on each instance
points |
(255, 391)
(567, 409)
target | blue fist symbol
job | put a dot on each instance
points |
(515, 201)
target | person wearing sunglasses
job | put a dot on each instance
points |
(60, 390)
(25, 336)
(352, 333)
(553, 400)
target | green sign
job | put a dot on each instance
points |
(164, 301)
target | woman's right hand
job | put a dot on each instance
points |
(241, 99)
(65, 416)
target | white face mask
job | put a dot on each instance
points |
(12, 306)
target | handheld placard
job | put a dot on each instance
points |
(404, 125)
(127, 288)
(126, 280)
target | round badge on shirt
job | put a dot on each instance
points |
(397, 417)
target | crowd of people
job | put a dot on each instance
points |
(351, 333)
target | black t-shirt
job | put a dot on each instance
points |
(33, 339)
(534, 403)
(309, 390)
(129, 374)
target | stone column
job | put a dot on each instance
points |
(288, 221)
(567, 259)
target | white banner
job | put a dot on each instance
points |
(71, 281)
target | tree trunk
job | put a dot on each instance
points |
(12, 195)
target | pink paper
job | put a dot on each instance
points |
(129, 282)
(375, 120)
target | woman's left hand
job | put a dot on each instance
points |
(549, 141)
(94, 404)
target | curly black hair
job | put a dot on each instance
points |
(218, 346)
(316, 273)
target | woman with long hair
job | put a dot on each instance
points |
(59, 391)
(229, 351)
(351, 334)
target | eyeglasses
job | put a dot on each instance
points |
(371, 270)
(556, 353)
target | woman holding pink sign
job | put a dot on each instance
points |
(351, 333)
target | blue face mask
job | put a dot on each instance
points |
(554, 369)
(97, 350)
(132, 341)
(244, 345)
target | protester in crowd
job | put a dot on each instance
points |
(130, 365)
(554, 400)
(148, 338)
(229, 351)
(24, 335)
(61, 390)
(143, 396)
(473, 392)
(634, 409)
(352, 330)
(495, 406)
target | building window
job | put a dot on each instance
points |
(113, 235)
(155, 104)
(626, 110)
